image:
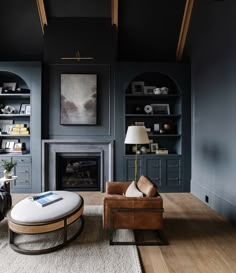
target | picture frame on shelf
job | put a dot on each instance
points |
(148, 90)
(8, 128)
(9, 87)
(137, 87)
(28, 109)
(78, 99)
(153, 147)
(23, 108)
(161, 109)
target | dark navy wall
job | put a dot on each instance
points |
(211, 46)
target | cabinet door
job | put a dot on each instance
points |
(173, 172)
(23, 173)
(153, 170)
(130, 169)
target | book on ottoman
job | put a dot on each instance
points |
(46, 198)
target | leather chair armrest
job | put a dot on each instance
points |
(117, 187)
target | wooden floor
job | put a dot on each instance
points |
(200, 241)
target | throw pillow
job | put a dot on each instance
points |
(132, 191)
(146, 186)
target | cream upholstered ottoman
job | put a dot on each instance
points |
(27, 217)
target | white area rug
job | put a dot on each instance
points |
(89, 253)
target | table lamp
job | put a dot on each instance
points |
(136, 135)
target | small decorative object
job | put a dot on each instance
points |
(157, 91)
(164, 90)
(143, 150)
(156, 128)
(154, 147)
(137, 87)
(161, 109)
(134, 149)
(8, 109)
(162, 131)
(8, 166)
(166, 126)
(149, 90)
(162, 151)
(138, 109)
(148, 109)
(139, 123)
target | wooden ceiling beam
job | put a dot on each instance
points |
(184, 29)
(42, 14)
(114, 12)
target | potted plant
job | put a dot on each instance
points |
(8, 165)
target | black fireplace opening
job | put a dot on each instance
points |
(79, 172)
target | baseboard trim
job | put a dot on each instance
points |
(222, 206)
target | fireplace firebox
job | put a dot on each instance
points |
(79, 171)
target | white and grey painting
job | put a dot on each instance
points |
(79, 99)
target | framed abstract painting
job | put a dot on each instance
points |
(78, 99)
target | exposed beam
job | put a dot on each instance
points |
(114, 12)
(184, 29)
(42, 14)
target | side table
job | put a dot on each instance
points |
(5, 196)
(5, 183)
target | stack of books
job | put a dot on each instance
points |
(46, 198)
(20, 129)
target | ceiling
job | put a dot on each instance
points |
(147, 30)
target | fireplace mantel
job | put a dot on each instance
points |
(52, 147)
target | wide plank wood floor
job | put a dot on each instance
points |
(200, 241)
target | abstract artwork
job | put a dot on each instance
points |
(78, 99)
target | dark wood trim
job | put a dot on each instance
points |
(184, 29)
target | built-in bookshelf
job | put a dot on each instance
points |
(20, 122)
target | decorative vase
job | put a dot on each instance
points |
(7, 174)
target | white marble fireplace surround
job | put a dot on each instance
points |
(51, 148)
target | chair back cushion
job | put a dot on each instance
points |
(146, 186)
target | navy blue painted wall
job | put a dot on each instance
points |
(211, 46)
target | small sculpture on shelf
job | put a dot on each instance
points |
(8, 109)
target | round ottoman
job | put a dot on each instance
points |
(27, 217)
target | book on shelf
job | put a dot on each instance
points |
(19, 129)
(46, 198)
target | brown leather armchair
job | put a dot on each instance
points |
(137, 213)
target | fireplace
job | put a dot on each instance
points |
(57, 153)
(78, 172)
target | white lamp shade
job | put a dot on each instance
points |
(136, 135)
